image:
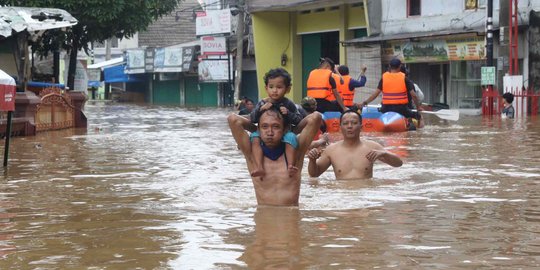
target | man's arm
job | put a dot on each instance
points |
(336, 93)
(379, 153)
(372, 97)
(355, 83)
(313, 122)
(318, 162)
(236, 124)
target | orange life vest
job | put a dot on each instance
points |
(318, 84)
(343, 89)
(394, 88)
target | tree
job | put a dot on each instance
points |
(98, 20)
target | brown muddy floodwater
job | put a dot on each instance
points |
(166, 188)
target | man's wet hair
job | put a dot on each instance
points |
(328, 61)
(351, 111)
(246, 100)
(509, 97)
(275, 111)
(278, 72)
(343, 70)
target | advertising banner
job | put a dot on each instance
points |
(168, 59)
(437, 50)
(135, 61)
(214, 71)
(213, 45)
(213, 22)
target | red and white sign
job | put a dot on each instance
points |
(7, 92)
(213, 45)
(212, 22)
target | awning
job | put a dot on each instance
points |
(108, 63)
(33, 19)
(414, 35)
(116, 74)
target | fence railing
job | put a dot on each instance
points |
(526, 101)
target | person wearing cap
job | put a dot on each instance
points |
(394, 86)
(321, 85)
(346, 86)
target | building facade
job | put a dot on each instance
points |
(295, 34)
(443, 44)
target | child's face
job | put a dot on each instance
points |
(276, 88)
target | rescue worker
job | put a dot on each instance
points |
(321, 86)
(395, 86)
(346, 88)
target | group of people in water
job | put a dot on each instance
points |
(276, 135)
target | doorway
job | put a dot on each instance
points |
(315, 46)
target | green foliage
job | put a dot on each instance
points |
(99, 20)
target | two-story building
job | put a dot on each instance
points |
(295, 34)
(443, 44)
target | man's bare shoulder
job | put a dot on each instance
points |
(371, 144)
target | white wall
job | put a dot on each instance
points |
(439, 15)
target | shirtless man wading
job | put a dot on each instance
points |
(276, 187)
(353, 157)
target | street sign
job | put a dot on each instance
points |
(488, 76)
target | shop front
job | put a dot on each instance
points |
(447, 69)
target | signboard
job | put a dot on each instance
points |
(149, 56)
(135, 61)
(488, 76)
(213, 70)
(213, 22)
(213, 45)
(188, 55)
(7, 97)
(168, 59)
(456, 49)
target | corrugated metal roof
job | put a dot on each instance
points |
(112, 62)
(33, 19)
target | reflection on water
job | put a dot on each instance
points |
(166, 188)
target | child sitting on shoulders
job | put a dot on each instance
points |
(277, 84)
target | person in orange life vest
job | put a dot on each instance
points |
(394, 86)
(346, 88)
(321, 86)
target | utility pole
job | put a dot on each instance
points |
(502, 67)
(489, 34)
(239, 50)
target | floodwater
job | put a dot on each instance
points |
(166, 188)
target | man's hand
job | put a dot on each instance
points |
(363, 70)
(314, 154)
(283, 110)
(293, 170)
(373, 155)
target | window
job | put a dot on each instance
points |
(413, 7)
